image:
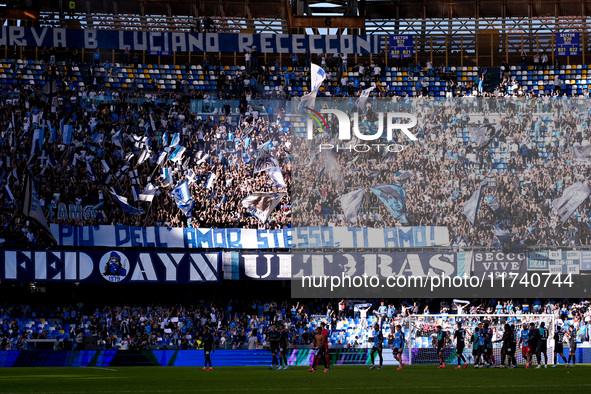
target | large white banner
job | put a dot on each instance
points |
(234, 238)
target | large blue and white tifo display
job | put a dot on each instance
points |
(234, 238)
(168, 42)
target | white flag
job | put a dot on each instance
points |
(277, 177)
(350, 203)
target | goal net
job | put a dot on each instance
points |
(421, 335)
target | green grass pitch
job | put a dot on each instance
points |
(415, 379)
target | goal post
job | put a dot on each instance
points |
(421, 335)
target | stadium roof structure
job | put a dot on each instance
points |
(371, 9)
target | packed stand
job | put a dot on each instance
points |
(240, 325)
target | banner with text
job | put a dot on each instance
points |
(555, 261)
(265, 266)
(498, 264)
(233, 238)
(111, 266)
(380, 265)
(167, 42)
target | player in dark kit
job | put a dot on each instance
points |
(207, 340)
(482, 342)
(283, 346)
(506, 350)
(378, 343)
(319, 349)
(476, 346)
(327, 355)
(274, 338)
(459, 336)
(441, 343)
(559, 346)
(572, 342)
(534, 338)
(488, 342)
(542, 345)
(513, 346)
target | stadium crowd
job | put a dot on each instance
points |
(238, 324)
(530, 159)
(119, 144)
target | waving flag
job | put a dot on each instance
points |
(148, 193)
(264, 161)
(472, 206)
(483, 134)
(394, 198)
(31, 207)
(125, 205)
(318, 75)
(260, 205)
(67, 130)
(360, 103)
(503, 228)
(177, 154)
(402, 176)
(571, 198)
(210, 180)
(308, 100)
(582, 153)
(166, 176)
(277, 177)
(351, 202)
(182, 197)
(176, 139)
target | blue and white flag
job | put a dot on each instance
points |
(125, 205)
(360, 103)
(166, 176)
(394, 198)
(152, 123)
(106, 166)
(494, 205)
(571, 198)
(53, 134)
(121, 172)
(503, 227)
(351, 202)
(161, 158)
(202, 160)
(210, 180)
(308, 100)
(148, 193)
(182, 197)
(582, 153)
(177, 154)
(134, 176)
(191, 176)
(176, 139)
(318, 76)
(34, 143)
(41, 139)
(472, 206)
(144, 155)
(90, 172)
(181, 192)
(260, 205)
(483, 133)
(277, 177)
(67, 130)
(116, 138)
(402, 176)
